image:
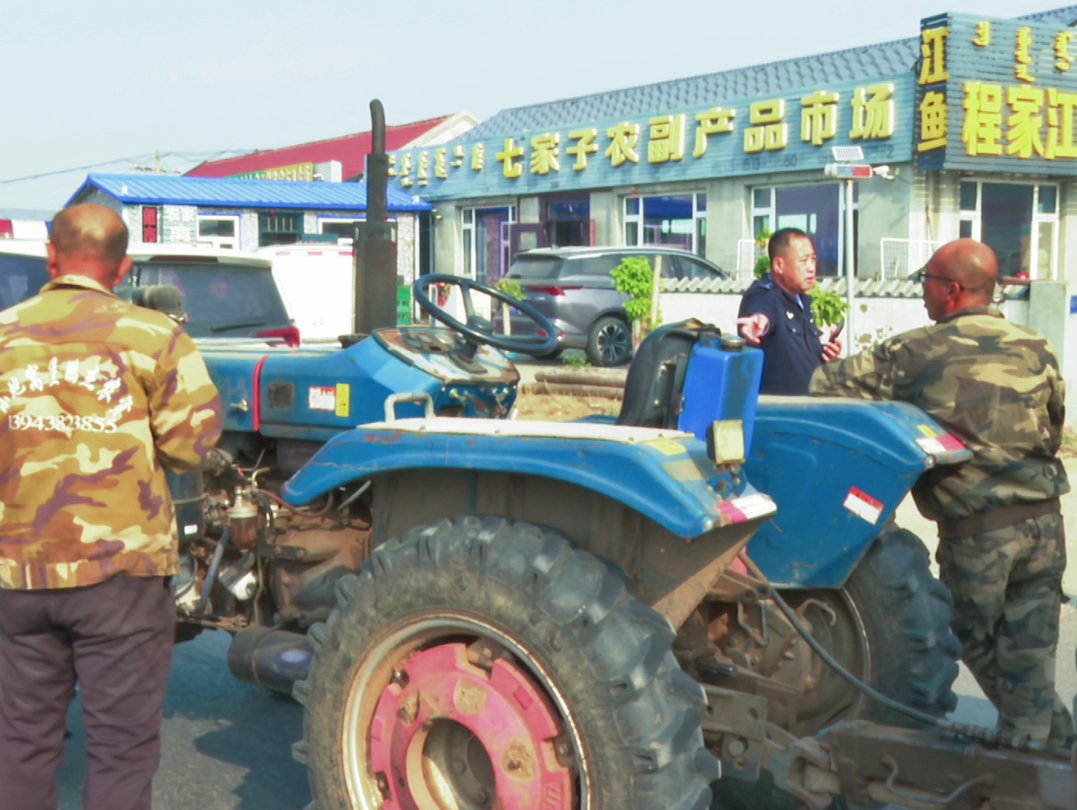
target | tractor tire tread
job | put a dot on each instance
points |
(629, 687)
(915, 655)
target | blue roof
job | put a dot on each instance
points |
(218, 191)
(882, 59)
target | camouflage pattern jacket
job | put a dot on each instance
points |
(97, 398)
(993, 384)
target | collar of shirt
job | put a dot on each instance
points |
(994, 312)
(73, 280)
(795, 298)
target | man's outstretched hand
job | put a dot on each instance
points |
(753, 327)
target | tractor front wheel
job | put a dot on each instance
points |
(480, 663)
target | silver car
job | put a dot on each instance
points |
(573, 287)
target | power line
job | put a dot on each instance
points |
(182, 155)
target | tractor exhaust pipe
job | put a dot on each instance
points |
(272, 659)
(375, 240)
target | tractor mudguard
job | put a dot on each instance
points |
(665, 475)
(837, 468)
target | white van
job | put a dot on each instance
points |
(318, 285)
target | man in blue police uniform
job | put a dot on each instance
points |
(775, 314)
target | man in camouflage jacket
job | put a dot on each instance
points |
(1002, 550)
(97, 398)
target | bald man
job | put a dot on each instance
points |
(1002, 549)
(98, 398)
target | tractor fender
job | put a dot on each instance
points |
(665, 475)
(837, 468)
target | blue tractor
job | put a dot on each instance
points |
(483, 612)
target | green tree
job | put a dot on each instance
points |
(762, 264)
(511, 287)
(635, 277)
(828, 307)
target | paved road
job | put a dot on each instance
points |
(227, 745)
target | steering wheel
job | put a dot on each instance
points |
(479, 330)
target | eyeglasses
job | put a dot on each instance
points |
(921, 276)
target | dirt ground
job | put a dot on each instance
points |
(559, 408)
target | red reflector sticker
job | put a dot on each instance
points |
(951, 442)
(863, 505)
(739, 510)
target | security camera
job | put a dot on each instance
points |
(884, 172)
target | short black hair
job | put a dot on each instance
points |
(780, 240)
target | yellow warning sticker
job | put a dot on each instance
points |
(668, 447)
(928, 431)
(684, 470)
(343, 399)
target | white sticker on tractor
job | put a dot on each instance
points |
(940, 444)
(863, 506)
(322, 398)
(748, 507)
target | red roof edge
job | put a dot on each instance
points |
(350, 150)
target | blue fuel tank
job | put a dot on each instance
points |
(721, 382)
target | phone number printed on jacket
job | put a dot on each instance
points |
(62, 422)
(24, 384)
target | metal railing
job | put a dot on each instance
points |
(901, 257)
(748, 252)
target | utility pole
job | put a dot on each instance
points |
(849, 172)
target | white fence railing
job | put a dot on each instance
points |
(900, 257)
(748, 252)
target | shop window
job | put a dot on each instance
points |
(567, 222)
(487, 241)
(218, 230)
(1018, 221)
(818, 210)
(280, 228)
(342, 228)
(674, 220)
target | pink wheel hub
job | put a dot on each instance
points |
(428, 761)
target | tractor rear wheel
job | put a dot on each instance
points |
(889, 626)
(478, 662)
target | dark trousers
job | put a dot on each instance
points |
(114, 640)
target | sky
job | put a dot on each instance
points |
(103, 85)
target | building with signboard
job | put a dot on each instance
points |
(995, 104)
(334, 159)
(243, 214)
(969, 126)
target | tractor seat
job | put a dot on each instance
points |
(656, 377)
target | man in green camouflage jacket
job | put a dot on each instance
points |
(97, 398)
(1002, 551)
